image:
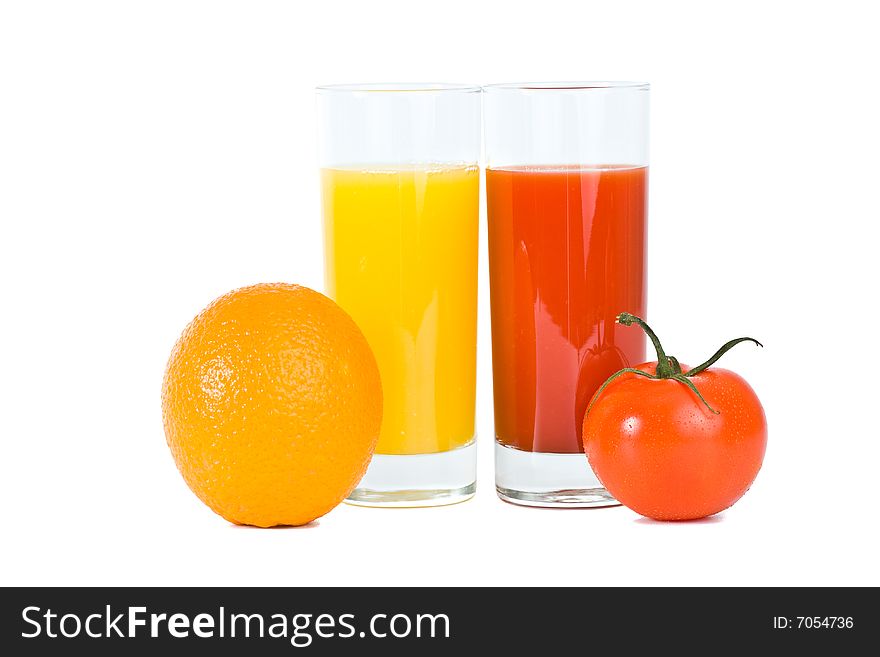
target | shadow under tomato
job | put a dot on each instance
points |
(708, 520)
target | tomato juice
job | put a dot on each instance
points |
(566, 256)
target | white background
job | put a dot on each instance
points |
(154, 155)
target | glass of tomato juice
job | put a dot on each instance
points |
(566, 186)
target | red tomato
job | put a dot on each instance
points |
(662, 451)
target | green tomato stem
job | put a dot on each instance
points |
(690, 384)
(718, 354)
(668, 367)
(625, 370)
(665, 369)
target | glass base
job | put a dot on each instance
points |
(409, 480)
(547, 480)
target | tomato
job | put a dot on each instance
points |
(675, 443)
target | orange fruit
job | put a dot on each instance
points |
(272, 405)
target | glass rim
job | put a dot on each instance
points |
(583, 86)
(398, 87)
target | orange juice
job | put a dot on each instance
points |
(401, 259)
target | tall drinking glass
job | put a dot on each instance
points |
(400, 183)
(566, 184)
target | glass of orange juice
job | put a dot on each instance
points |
(400, 191)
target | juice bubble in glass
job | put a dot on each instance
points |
(566, 187)
(400, 190)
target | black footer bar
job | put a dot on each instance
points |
(429, 621)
